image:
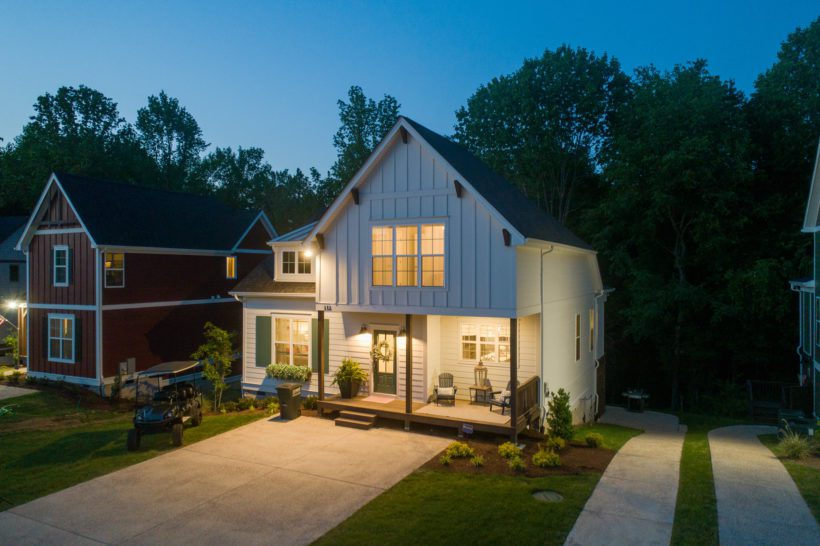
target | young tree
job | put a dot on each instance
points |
(172, 137)
(217, 354)
(364, 122)
(545, 125)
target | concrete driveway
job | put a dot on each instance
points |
(271, 481)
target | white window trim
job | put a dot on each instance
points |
(62, 316)
(54, 266)
(280, 266)
(592, 329)
(106, 269)
(273, 337)
(478, 343)
(228, 260)
(419, 256)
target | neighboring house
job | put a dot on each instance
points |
(12, 262)
(123, 277)
(431, 255)
(809, 346)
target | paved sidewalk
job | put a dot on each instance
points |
(269, 482)
(757, 501)
(7, 391)
(634, 502)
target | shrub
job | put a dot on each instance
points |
(477, 461)
(272, 405)
(311, 403)
(287, 371)
(517, 464)
(793, 445)
(228, 406)
(508, 450)
(350, 370)
(559, 416)
(245, 404)
(593, 439)
(546, 459)
(459, 450)
(553, 443)
(445, 460)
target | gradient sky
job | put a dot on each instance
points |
(269, 74)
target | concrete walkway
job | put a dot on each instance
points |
(757, 501)
(269, 482)
(634, 502)
(7, 391)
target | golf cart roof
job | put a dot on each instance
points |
(175, 367)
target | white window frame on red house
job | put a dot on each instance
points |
(62, 339)
(55, 267)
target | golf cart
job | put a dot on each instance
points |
(169, 407)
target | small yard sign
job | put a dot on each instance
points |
(466, 428)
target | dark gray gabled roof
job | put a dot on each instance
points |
(118, 214)
(529, 219)
(260, 281)
(10, 225)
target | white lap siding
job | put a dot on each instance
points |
(497, 372)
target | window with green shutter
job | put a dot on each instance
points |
(263, 341)
(314, 341)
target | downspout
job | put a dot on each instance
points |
(541, 326)
(595, 299)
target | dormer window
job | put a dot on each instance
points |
(230, 267)
(296, 263)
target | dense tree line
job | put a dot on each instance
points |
(691, 192)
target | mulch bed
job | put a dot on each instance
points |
(576, 458)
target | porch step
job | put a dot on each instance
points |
(358, 416)
(353, 423)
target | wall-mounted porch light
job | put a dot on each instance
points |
(402, 332)
(364, 329)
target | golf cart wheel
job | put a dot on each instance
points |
(196, 418)
(176, 434)
(133, 442)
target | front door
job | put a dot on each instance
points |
(384, 362)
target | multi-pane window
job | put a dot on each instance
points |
(60, 265)
(591, 329)
(289, 262)
(407, 259)
(577, 337)
(302, 263)
(114, 270)
(382, 249)
(432, 255)
(485, 342)
(294, 262)
(291, 341)
(417, 249)
(230, 267)
(61, 338)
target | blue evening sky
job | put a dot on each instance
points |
(269, 74)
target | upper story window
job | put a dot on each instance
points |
(230, 267)
(114, 270)
(61, 263)
(296, 263)
(416, 252)
(61, 338)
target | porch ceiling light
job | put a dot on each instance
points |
(364, 329)
(402, 332)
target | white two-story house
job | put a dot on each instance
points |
(430, 255)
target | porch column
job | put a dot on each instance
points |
(408, 361)
(320, 345)
(514, 379)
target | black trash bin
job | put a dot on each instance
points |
(290, 400)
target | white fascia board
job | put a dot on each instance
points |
(813, 205)
(268, 226)
(272, 295)
(158, 250)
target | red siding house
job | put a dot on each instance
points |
(122, 277)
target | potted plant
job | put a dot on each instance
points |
(349, 377)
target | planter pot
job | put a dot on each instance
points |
(349, 389)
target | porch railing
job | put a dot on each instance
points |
(526, 398)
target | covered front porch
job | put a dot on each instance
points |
(453, 347)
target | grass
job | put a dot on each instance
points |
(431, 506)
(696, 509)
(52, 442)
(805, 476)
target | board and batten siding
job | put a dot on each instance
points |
(410, 186)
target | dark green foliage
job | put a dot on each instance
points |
(546, 459)
(245, 404)
(594, 439)
(508, 450)
(559, 415)
(310, 403)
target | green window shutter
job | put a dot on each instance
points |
(314, 344)
(263, 338)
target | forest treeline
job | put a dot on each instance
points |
(691, 191)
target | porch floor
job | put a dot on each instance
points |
(453, 416)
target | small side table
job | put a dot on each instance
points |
(484, 390)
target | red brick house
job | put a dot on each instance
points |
(122, 277)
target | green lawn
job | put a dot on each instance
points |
(807, 478)
(52, 442)
(696, 510)
(431, 506)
